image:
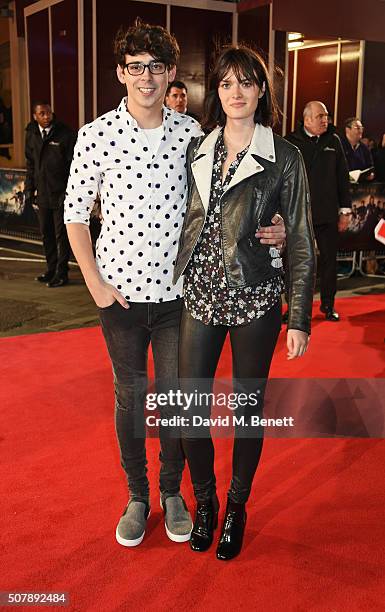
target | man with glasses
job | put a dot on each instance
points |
(135, 158)
(357, 153)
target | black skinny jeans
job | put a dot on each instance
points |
(128, 334)
(200, 347)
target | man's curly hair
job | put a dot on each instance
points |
(145, 38)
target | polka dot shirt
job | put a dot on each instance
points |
(143, 197)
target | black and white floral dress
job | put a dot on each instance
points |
(206, 293)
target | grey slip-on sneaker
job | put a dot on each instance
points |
(132, 524)
(177, 519)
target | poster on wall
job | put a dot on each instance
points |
(15, 215)
(356, 229)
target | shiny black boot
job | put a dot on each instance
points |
(206, 521)
(231, 539)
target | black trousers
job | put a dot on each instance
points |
(128, 334)
(327, 241)
(200, 347)
(55, 240)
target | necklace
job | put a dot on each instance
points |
(235, 147)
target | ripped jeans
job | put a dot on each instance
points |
(128, 334)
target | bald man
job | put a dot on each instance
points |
(328, 176)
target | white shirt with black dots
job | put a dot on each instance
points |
(143, 196)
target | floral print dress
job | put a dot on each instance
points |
(206, 293)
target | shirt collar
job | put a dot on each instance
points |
(47, 129)
(171, 119)
(308, 133)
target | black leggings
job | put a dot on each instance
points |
(200, 347)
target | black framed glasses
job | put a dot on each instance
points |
(137, 68)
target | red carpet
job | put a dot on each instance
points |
(315, 536)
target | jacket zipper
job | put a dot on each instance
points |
(249, 240)
(200, 233)
(221, 229)
(195, 243)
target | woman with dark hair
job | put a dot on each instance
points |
(241, 174)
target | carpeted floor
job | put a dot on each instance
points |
(315, 536)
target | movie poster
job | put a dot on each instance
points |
(15, 216)
(356, 229)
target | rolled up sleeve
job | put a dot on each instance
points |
(84, 179)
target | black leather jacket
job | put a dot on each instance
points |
(271, 178)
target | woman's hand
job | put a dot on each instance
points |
(297, 343)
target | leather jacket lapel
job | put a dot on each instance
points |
(202, 172)
(246, 168)
(202, 167)
(262, 145)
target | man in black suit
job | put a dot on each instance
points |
(49, 148)
(328, 176)
(176, 98)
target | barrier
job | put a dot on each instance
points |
(357, 243)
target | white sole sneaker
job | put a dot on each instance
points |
(177, 538)
(130, 543)
(173, 536)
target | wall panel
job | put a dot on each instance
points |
(254, 27)
(64, 19)
(316, 77)
(347, 95)
(110, 15)
(352, 19)
(373, 114)
(279, 72)
(89, 68)
(38, 57)
(290, 76)
(210, 30)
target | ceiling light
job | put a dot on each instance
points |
(295, 44)
(295, 36)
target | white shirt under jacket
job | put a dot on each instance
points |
(143, 196)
